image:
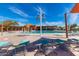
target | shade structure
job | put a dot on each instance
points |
(75, 9)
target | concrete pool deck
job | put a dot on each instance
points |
(15, 38)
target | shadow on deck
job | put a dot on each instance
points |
(32, 46)
(62, 50)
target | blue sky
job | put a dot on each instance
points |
(26, 13)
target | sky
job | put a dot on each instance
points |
(26, 13)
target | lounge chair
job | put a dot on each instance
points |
(45, 49)
(3, 52)
(8, 51)
(76, 48)
(21, 47)
(4, 46)
(73, 41)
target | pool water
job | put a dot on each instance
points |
(46, 31)
(55, 32)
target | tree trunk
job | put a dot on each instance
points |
(7, 29)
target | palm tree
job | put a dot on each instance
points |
(9, 23)
(1, 28)
(73, 26)
(44, 18)
(40, 17)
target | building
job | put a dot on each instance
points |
(50, 28)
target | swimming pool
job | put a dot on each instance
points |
(55, 32)
(45, 32)
(48, 31)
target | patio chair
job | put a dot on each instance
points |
(6, 51)
(76, 48)
(46, 49)
(3, 52)
(73, 41)
(4, 45)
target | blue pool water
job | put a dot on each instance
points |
(55, 32)
(48, 31)
(45, 32)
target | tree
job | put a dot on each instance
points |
(43, 17)
(73, 26)
(9, 23)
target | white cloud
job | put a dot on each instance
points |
(2, 18)
(21, 21)
(54, 23)
(19, 12)
(67, 10)
(39, 8)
